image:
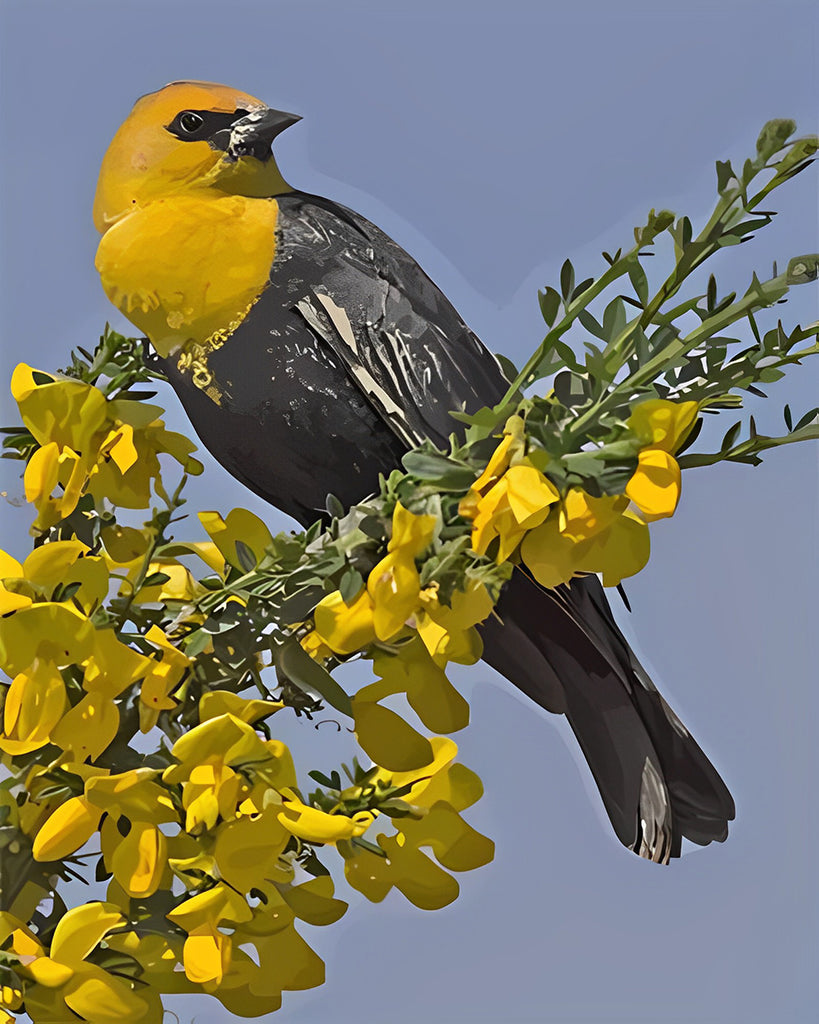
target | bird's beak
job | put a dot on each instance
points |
(252, 134)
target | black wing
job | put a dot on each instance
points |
(398, 337)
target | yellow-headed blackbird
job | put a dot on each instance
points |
(310, 352)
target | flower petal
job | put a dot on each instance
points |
(655, 486)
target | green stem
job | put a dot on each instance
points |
(526, 375)
(772, 291)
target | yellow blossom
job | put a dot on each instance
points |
(89, 727)
(211, 788)
(345, 628)
(240, 525)
(394, 584)
(518, 502)
(387, 738)
(34, 704)
(319, 827)
(134, 794)
(164, 677)
(447, 630)
(619, 551)
(124, 544)
(583, 516)
(663, 424)
(140, 859)
(247, 849)
(222, 702)
(207, 951)
(655, 486)
(88, 442)
(315, 646)
(69, 827)
(433, 698)
(439, 790)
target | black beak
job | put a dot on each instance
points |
(253, 133)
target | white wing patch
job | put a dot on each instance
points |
(349, 352)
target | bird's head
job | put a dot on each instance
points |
(189, 135)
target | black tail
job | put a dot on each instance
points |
(563, 648)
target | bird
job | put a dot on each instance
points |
(310, 353)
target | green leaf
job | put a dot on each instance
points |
(295, 664)
(725, 172)
(67, 591)
(245, 556)
(581, 288)
(639, 281)
(567, 280)
(614, 318)
(803, 269)
(591, 324)
(350, 586)
(731, 435)
(156, 579)
(773, 137)
(334, 507)
(549, 304)
(448, 474)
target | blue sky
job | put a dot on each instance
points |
(492, 141)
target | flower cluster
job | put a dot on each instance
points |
(563, 535)
(209, 848)
(87, 443)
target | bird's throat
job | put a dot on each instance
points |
(187, 269)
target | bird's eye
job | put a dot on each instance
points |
(190, 122)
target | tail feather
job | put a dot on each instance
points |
(563, 648)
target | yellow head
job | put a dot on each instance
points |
(188, 136)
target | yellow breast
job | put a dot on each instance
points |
(186, 270)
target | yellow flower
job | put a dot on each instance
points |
(207, 951)
(165, 676)
(124, 544)
(583, 516)
(315, 646)
(345, 628)
(62, 410)
(89, 727)
(438, 791)
(518, 502)
(317, 826)
(135, 427)
(70, 826)
(412, 670)
(240, 525)
(661, 424)
(394, 584)
(587, 535)
(89, 442)
(247, 849)
(447, 630)
(11, 601)
(34, 704)
(655, 486)
(511, 448)
(387, 738)
(223, 702)
(140, 859)
(619, 551)
(208, 753)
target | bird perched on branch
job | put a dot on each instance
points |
(310, 353)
